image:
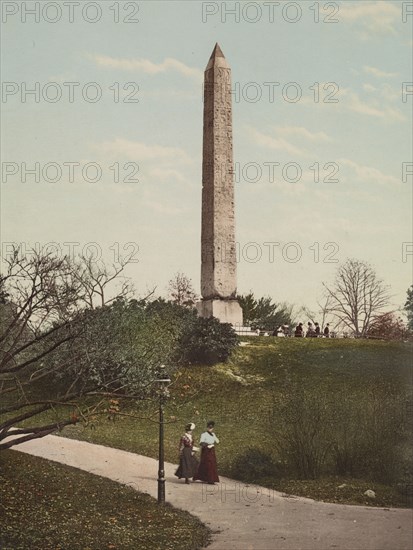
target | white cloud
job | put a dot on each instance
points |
(353, 103)
(375, 17)
(147, 66)
(164, 208)
(377, 72)
(357, 105)
(302, 132)
(139, 151)
(168, 174)
(369, 174)
(64, 77)
(348, 100)
(369, 88)
(170, 93)
(277, 143)
(390, 93)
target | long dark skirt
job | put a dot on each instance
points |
(207, 470)
(188, 464)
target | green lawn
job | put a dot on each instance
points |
(357, 391)
(45, 505)
(304, 416)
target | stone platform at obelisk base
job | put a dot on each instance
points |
(241, 516)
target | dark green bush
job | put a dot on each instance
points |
(253, 465)
(208, 341)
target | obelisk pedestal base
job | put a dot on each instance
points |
(227, 311)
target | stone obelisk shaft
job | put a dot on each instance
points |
(219, 263)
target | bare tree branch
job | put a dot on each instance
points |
(356, 296)
(47, 307)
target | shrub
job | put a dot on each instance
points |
(359, 432)
(253, 465)
(305, 441)
(196, 339)
(121, 345)
(208, 341)
(368, 429)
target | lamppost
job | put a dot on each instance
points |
(163, 380)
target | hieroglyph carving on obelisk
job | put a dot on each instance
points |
(219, 262)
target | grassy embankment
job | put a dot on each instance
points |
(301, 416)
(326, 419)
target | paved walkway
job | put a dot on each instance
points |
(242, 517)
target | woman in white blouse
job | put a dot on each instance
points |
(207, 471)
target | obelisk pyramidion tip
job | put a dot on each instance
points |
(217, 58)
(217, 52)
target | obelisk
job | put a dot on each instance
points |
(218, 251)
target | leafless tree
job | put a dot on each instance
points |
(43, 300)
(357, 296)
(97, 281)
(181, 291)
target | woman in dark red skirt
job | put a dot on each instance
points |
(207, 470)
(188, 464)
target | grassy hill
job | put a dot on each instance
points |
(301, 415)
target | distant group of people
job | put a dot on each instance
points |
(206, 469)
(312, 331)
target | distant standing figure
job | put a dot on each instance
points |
(188, 464)
(207, 471)
(299, 331)
(310, 330)
(317, 330)
(327, 331)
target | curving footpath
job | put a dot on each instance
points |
(241, 516)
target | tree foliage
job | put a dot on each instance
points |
(71, 340)
(119, 350)
(57, 344)
(357, 296)
(262, 313)
(388, 327)
(408, 306)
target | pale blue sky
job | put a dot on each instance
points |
(367, 134)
